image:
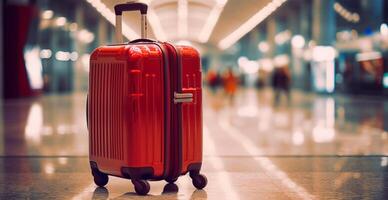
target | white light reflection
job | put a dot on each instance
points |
(156, 25)
(247, 111)
(252, 22)
(248, 66)
(34, 68)
(62, 129)
(47, 130)
(47, 14)
(49, 168)
(266, 64)
(297, 138)
(85, 59)
(323, 63)
(34, 123)
(110, 16)
(263, 47)
(323, 53)
(62, 160)
(211, 21)
(264, 162)
(182, 18)
(223, 178)
(62, 56)
(384, 29)
(85, 36)
(384, 161)
(281, 60)
(282, 37)
(45, 53)
(298, 41)
(74, 56)
(60, 21)
(85, 193)
(322, 134)
(324, 130)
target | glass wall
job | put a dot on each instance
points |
(327, 46)
(59, 43)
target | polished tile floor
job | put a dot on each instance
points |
(315, 147)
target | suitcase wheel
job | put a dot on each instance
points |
(171, 180)
(199, 181)
(142, 187)
(170, 188)
(100, 179)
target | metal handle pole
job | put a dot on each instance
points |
(119, 29)
(143, 26)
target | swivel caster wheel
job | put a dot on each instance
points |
(199, 181)
(170, 188)
(100, 179)
(142, 187)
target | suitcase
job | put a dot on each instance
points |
(144, 110)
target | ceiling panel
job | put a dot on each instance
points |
(234, 13)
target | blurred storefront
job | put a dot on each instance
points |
(330, 46)
(333, 46)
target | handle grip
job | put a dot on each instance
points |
(142, 7)
(131, 6)
(142, 40)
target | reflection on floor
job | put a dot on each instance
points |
(316, 147)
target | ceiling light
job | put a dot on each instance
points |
(211, 21)
(182, 18)
(85, 36)
(347, 15)
(73, 56)
(60, 21)
(298, 41)
(281, 60)
(384, 29)
(156, 25)
(47, 14)
(110, 16)
(282, 37)
(45, 53)
(62, 56)
(250, 24)
(263, 47)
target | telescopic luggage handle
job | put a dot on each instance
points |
(131, 6)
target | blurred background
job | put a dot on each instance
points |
(332, 47)
(289, 78)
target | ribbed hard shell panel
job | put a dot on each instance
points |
(191, 112)
(192, 119)
(106, 95)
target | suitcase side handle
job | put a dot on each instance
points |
(183, 97)
(131, 6)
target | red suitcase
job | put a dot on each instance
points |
(144, 110)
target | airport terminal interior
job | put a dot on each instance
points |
(295, 96)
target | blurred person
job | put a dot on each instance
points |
(281, 83)
(260, 81)
(213, 80)
(230, 83)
